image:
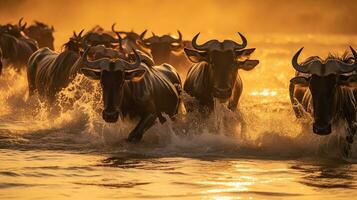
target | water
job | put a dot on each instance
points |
(68, 152)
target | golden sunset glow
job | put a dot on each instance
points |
(258, 151)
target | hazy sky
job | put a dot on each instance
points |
(218, 16)
(277, 28)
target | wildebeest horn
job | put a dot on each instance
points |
(180, 36)
(346, 68)
(244, 42)
(20, 23)
(296, 65)
(143, 41)
(202, 47)
(113, 27)
(120, 40)
(97, 64)
(80, 33)
(142, 35)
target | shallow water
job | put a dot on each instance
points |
(70, 153)
(57, 175)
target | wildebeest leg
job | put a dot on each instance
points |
(350, 115)
(31, 79)
(206, 107)
(349, 112)
(237, 92)
(0, 67)
(294, 101)
(144, 124)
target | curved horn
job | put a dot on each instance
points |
(346, 68)
(180, 36)
(22, 27)
(20, 21)
(142, 35)
(80, 33)
(202, 47)
(113, 27)
(120, 40)
(97, 64)
(244, 42)
(296, 65)
(143, 42)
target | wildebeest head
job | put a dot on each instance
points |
(97, 36)
(224, 59)
(42, 33)
(112, 74)
(8, 42)
(14, 30)
(75, 43)
(161, 47)
(128, 35)
(326, 76)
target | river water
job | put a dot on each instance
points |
(73, 154)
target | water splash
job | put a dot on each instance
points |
(263, 126)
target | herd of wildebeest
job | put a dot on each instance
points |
(139, 75)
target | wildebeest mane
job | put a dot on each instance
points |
(72, 44)
(346, 57)
(40, 24)
(309, 59)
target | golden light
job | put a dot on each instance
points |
(264, 92)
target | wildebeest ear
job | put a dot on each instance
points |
(134, 74)
(195, 56)
(245, 53)
(91, 73)
(348, 81)
(248, 64)
(300, 80)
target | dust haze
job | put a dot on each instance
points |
(211, 17)
(277, 28)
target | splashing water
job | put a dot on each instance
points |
(264, 125)
(53, 151)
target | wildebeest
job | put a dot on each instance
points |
(166, 49)
(324, 89)
(48, 72)
(98, 36)
(42, 33)
(215, 72)
(130, 40)
(135, 90)
(15, 46)
(15, 30)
